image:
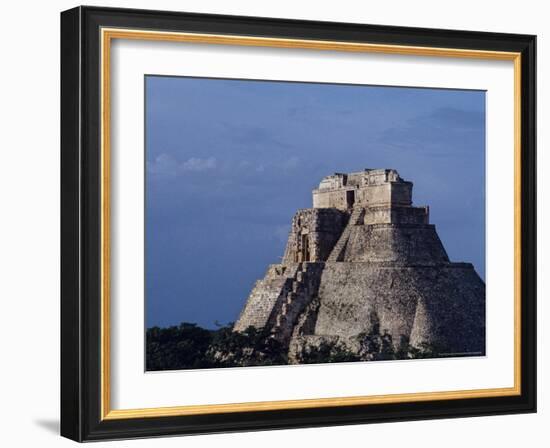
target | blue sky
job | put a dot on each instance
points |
(228, 163)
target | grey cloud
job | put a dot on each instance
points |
(198, 164)
(253, 135)
(166, 165)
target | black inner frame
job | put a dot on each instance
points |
(80, 224)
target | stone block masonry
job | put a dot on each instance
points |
(365, 257)
(313, 234)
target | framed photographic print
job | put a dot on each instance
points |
(273, 223)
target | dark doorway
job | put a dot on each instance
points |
(305, 248)
(350, 198)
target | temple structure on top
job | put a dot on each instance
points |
(365, 256)
(366, 188)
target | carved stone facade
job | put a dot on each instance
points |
(313, 234)
(364, 253)
(366, 188)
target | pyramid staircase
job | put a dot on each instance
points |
(290, 308)
(355, 219)
(303, 289)
(265, 296)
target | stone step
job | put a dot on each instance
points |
(354, 219)
(339, 246)
(357, 216)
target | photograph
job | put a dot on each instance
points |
(292, 223)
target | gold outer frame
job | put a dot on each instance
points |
(107, 35)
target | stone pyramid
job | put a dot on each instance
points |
(365, 259)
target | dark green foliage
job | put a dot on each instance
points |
(252, 347)
(427, 351)
(380, 347)
(326, 352)
(376, 347)
(188, 346)
(179, 347)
